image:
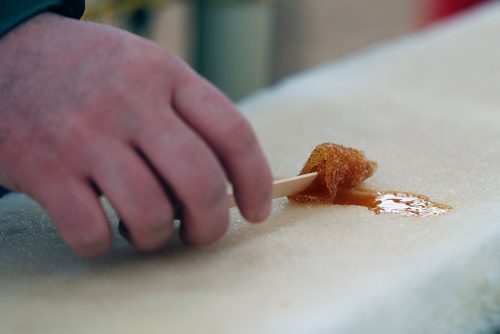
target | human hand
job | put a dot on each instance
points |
(88, 109)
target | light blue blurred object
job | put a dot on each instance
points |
(233, 44)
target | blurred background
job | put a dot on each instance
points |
(243, 45)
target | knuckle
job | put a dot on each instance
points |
(186, 77)
(149, 237)
(206, 190)
(143, 203)
(241, 138)
(75, 128)
(148, 223)
(147, 61)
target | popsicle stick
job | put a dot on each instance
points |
(285, 187)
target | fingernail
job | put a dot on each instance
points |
(264, 212)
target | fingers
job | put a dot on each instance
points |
(137, 195)
(194, 175)
(77, 214)
(225, 130)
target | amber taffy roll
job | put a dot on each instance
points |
(338, 167)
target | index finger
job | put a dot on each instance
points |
(226, 131)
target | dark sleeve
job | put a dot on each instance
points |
(15, 12)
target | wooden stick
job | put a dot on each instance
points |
(285, 187)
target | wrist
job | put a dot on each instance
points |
(15, 12)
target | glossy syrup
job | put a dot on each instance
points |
(341, 170)
(402, 203)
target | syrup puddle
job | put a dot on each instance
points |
(406, 204)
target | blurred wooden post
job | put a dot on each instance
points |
(233, 44)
